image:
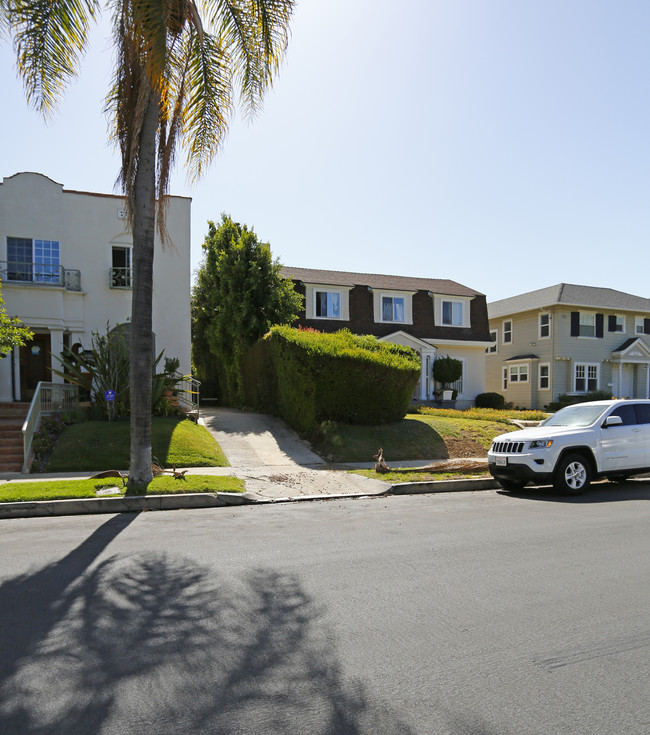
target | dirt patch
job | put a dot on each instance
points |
(464, 447)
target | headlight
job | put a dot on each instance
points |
(541, 443)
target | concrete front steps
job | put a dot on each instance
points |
(12, 417)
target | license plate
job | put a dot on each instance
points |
(502, 462)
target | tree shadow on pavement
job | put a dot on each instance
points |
(152, 644)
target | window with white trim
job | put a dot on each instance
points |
(494, 334)
(544, 326)
(585, 377)
(507, 331)
(587, 324)
(544, 376)
(452, 313)
(121, 270)
(639, 325)
(327, 304)
(518, 373)
(619, 323)
(505, 378)
(392, 309)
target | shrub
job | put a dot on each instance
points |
(447, 370)
(490, 400)
(307, 377)
(46, 437)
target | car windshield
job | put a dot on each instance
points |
(575, 416)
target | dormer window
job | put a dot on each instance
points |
(323, 301)
(451, 311)
(392, 308)
(327, 304)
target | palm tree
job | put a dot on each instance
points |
(178, 66)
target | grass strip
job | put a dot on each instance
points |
(13, 492)
(395, 477)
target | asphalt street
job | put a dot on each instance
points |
(475, 614)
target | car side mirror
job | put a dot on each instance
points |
(612, 421)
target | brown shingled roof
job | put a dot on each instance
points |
(377, 280)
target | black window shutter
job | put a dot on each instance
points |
(575, 323)
(646, 326)
(611, 323)
(599, 325)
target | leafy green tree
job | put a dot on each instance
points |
(177, 66)
(239, 295)
(13, 333)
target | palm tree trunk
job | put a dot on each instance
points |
(141, 347)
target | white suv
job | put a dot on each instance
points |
(577, 444)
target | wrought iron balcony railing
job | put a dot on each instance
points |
(40, 274)
(121, 278)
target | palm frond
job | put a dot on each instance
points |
(255, 34)
(50, 37)
(208, 106)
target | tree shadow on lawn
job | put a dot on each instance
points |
(401, 441)
(152, 643)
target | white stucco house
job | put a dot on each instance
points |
(65, 267)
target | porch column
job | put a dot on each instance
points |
(620, 379)
(15, 357)
(56, 346)
(647, 380)
(5, 378)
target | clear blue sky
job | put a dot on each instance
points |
(504, 144)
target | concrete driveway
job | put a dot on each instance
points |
(274, 461)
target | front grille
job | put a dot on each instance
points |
(508, 447)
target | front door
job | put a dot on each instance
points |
(35, 364)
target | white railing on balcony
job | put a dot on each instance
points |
(48, 398)
(188, 394)
(40, 274)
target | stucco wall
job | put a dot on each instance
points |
(87, 225)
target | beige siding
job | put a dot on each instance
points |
(562, 352)
(525, 341)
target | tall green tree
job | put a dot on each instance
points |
(178, 65)
(239, 295)
(13, 333)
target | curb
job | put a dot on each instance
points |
(443, 486)
(187, 501)
(134, 504)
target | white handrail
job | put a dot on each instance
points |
(48, 398)
(188, 394)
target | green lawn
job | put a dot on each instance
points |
(102, 445)
(414, 437)
(11, 492)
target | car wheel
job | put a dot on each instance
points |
(573, 475)
(511, 485)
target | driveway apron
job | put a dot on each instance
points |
(274, 461)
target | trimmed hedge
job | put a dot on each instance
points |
(306, 377)
(490, 400)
